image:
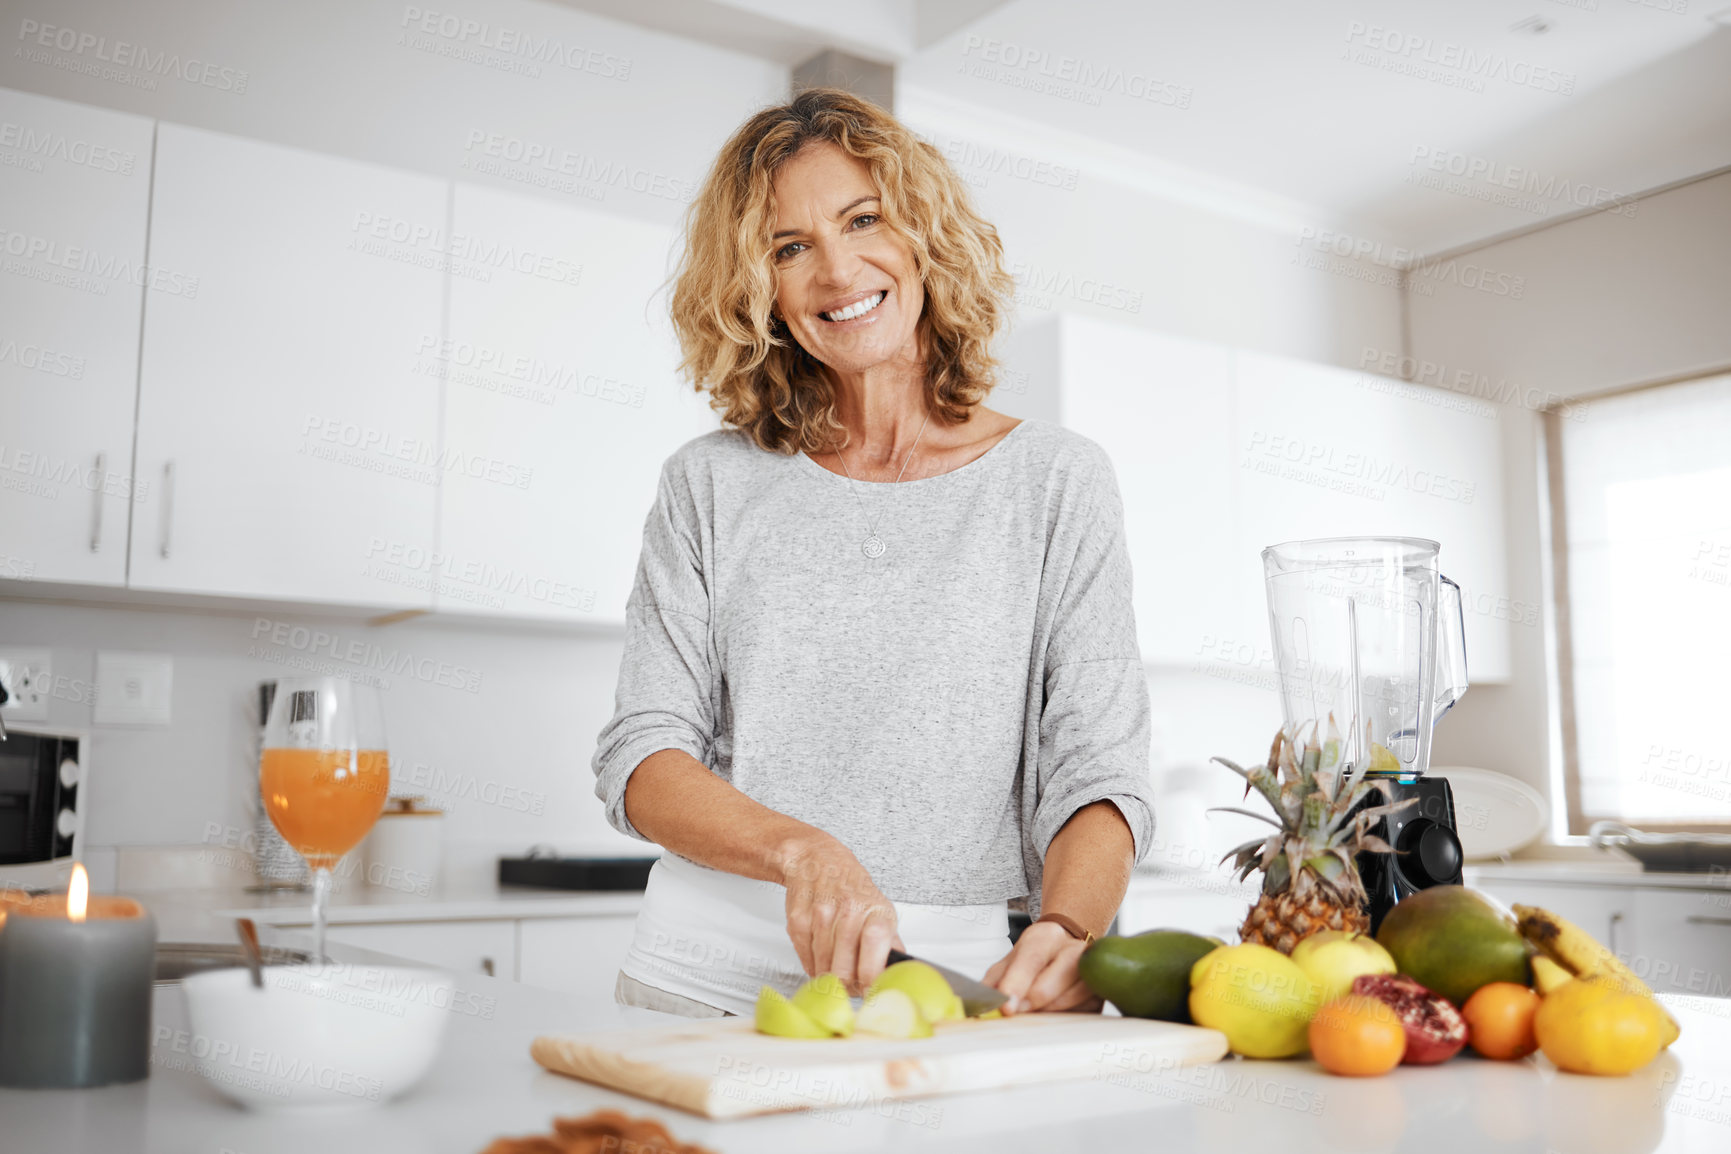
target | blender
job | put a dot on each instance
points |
(1366, 630)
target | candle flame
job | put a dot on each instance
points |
(77, 893)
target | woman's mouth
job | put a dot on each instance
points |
(856, 310)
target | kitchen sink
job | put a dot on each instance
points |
(175, 960)
(1678, 853)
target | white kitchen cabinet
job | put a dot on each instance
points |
(560, 371)
(1326, 452)
(1221, 452)
(285, 431)
(75, 183)
(472, 947)
(576, 955)
(1161, 407)
(1608, 912)
(1683, 941)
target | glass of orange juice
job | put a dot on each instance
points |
(323, 774)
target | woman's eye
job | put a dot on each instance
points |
(864, 219)
(786, 250)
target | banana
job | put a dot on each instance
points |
(1578, 952)
(1547, 975)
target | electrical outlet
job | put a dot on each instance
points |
(29, 675)
(133, 688)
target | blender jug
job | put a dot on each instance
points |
(1366, 629)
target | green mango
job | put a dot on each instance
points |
(1146, 975)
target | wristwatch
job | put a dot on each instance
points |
(1070, 926)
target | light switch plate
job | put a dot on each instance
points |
(133, 688)
(29, 674)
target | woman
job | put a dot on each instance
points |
(880, 671)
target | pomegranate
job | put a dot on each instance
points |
(1435, 1030)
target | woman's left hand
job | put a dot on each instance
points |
(1039, 973)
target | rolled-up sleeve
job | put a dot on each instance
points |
(1094, 725)
(665, 698)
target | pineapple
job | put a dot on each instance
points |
(1309, 879)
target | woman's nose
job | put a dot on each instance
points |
(836, 264)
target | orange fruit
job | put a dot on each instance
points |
(1357, 1036)
(1500, 1020)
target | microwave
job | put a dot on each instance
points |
(42, 775)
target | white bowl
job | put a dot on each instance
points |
(328, 1037)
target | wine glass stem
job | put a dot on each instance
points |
(321, 898)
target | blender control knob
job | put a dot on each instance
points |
(1430, 853)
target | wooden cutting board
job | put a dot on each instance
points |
(724, 1068)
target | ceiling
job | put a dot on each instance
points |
(1419, 124)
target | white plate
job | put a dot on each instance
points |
(1495, 814)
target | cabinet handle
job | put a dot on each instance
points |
(167, 505)
(1705, 920)
(487, 966)
(1611, 937)
(96, 504)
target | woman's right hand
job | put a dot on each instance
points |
(839, 921)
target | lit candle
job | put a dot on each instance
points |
(75, 987)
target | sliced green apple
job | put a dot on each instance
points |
(780, 1017)
(824, 999)
(892, 1014)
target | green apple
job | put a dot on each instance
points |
(780, 1017)
(936, 1001)
(892, 1014)
(824, 1000)
(1333, 958)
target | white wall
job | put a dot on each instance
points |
(334, 76)
(1607, 300)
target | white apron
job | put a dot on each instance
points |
(718, 937)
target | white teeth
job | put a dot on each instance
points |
(857, 309)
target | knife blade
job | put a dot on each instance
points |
(977, 997)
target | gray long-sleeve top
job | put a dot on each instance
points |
(942, 709)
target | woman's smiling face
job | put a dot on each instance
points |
(834, 256)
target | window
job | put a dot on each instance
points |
(1640, 489)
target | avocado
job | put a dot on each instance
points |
(1146, 975)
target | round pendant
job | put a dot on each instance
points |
(873, 547)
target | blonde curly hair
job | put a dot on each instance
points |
(759, 378)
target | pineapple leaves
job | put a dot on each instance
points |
(1245, 813)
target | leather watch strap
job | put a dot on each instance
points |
(1070, 926)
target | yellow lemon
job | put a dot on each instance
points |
(1591, 1025)
(1258, 997)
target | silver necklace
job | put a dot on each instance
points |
(873, 546)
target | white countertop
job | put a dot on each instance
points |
(359, 904)
(1600, 870)
(484, 1085)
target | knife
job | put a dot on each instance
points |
(977, 997)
